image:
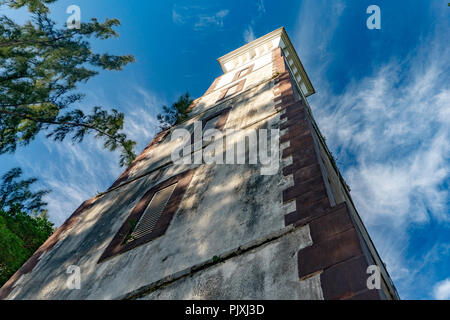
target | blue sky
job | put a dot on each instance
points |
(382, 101)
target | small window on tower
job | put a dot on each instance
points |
(211, 123)
(243, 72)
(231, 90)
(216, 120)
(151, 216)
(152, 213)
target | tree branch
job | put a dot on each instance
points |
(72, 124)
(33, 42)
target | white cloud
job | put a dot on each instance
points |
(399, 138)
(73, 172)
(211, 20)
(142, 108)
(198, 17)
(76, 172)
(317, 22)
(249, 35)
(177, 18)
(442, 290)
(395, 122)
(260, 7)
(389, 131)
(398, 133)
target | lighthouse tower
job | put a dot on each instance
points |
(275, 220)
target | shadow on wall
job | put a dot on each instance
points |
(224, 206)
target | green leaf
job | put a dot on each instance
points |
(177, 113)
(40, 68)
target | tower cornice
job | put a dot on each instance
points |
(275, 39)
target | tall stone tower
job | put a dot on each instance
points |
(241, 229)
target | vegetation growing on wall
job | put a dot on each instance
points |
(176, 113)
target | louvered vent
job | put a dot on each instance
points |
(152, 213)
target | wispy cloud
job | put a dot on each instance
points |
(317, 22)
(260, 7)
(177, 18)
(211, 20)
(396, 133)
(389, 132)
(199, 17)
(87, 169)
(248, 33)
(442, 290)
(142, 107)
(77, 172)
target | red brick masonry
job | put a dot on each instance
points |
(336, 253)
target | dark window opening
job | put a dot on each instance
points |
(152, 213)
(227, 92)
(243, 72)
(211, 123)
(151, 216)
(214, 121)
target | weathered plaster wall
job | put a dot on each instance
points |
(237, 234)
(224, 207)
(226, 79)
(267, 272)
(262, 72)
(251, 105)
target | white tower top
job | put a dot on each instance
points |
(275, 39)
